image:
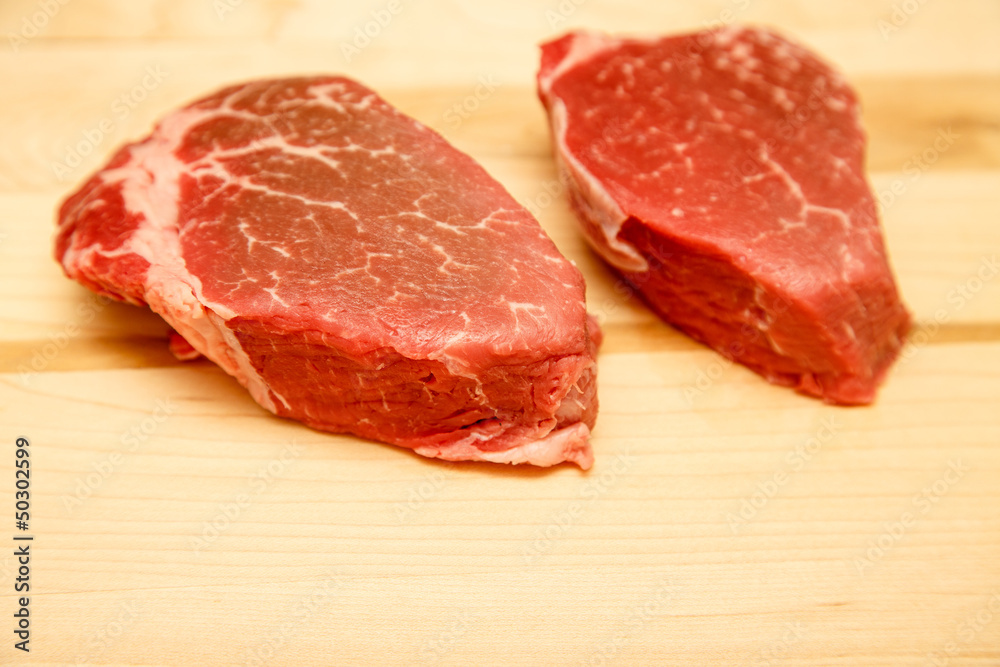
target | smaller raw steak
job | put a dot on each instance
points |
(350, 268)
(722, 173)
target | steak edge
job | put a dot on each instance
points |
(721, 173)
(350, 268)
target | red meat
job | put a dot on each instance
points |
(350, 268)
(722, 174)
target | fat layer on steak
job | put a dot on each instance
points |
(350, 268)
(722, 174)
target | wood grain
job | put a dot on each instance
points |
(726, 521)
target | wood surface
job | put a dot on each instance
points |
(726, 521)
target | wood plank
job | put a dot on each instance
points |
(940, 232)
(381, 535)
(52, 146)
(859, 35)
(726, 521)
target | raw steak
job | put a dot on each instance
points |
(350, 268)
(722, 173)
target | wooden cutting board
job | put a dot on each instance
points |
(725, 522)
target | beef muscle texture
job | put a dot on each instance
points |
(722, 174)
(350, 268)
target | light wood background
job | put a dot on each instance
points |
(734, 523)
